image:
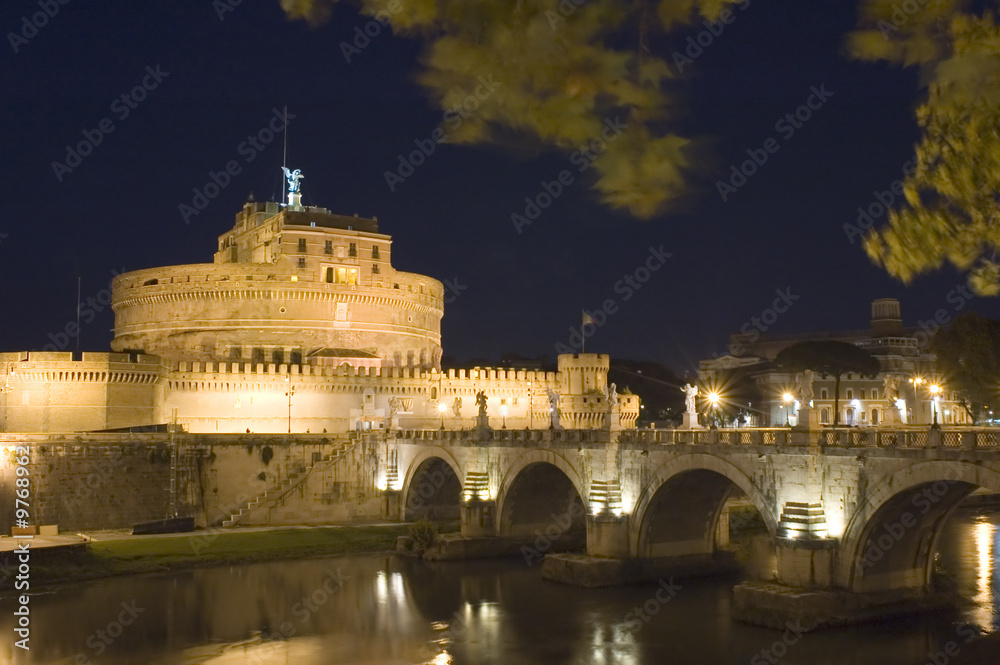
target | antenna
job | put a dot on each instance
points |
(78, 279)
(284, 156)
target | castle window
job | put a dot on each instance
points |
(352, 276)
(296, 358)
(353, 249)
(257, 356)
(328, 247)
(302, 244)
(374, 268)
(823, 394)
(302, 262)
(341, 275)
(278, 356)
(329, 274)
(374, 251)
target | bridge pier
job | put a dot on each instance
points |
(478, 518)
(607, 536)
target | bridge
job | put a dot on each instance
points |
(853, 514)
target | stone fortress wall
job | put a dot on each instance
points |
(51, 392)
(301, 324)
(66, 392)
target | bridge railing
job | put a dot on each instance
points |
(956, 438)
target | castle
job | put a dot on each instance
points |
(300, 324)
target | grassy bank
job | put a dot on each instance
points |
(169, 553)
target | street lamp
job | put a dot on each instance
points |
(6, 393)
(935, 390)
(787, 398)
(442, 407)
(291, 391)
(530, 405)
(713, 399)
(916, 381)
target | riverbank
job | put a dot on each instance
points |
(200, 549)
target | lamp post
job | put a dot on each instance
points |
(291, 391)
(503, 413)
(935, 390)
(916, 381)
(713, 400)
(442, 407)
(9, 369)
(530, 405)
(787, 398)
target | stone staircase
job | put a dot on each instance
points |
(276, 495)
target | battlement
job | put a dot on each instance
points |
(483, 376)
(61, 365)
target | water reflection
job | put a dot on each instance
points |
(374, 610)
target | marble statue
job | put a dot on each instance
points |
(612, 394)
(890, 388)
(481, 402)
(456, 407)
(690, 392)
(804, 380)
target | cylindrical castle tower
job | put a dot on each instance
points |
(288, 285)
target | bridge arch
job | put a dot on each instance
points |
(684, 499)
(432, 488)
(890, 540)
(541, 492)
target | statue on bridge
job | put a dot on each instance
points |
(890, 388)
(690, 392)
(554, 408)
(394, 405)
(804, 380)
(481, 402)
(456, 407)
(611, 393)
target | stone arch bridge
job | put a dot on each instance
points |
(854, 514)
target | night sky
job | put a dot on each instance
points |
(220, 80)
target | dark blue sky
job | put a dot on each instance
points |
(782, 230)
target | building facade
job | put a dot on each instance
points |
(300, 324)
(904, 356)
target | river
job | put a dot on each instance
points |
(362, 610)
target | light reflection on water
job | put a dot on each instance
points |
(495, 612)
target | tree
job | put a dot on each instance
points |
(968, 353)
(543, 74)
(831, 358)
(951, 190)
(584, 78)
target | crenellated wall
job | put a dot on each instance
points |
(51, 392)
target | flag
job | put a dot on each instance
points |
(587, 318)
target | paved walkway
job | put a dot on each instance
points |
(126, 534)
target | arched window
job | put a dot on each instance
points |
(849, 416)
(874, 416)
(824, 416)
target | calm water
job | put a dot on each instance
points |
(377, 610)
